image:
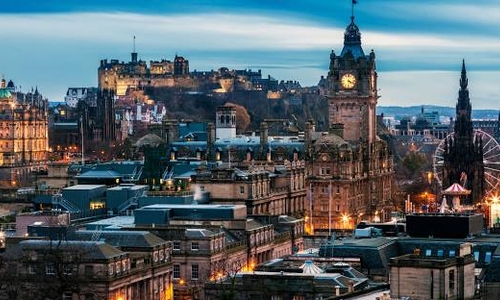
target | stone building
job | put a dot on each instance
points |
(138, 266)
(350, 169)
(23, 135)
(434, 276)
(278, 190)
(119, 77)
(214, 241)
(463, 151)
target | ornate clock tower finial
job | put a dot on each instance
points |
(352, 90)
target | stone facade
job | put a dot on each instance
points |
(350, 169)
(428, 276)
(87, 270)
(263, 191)
(23, 135)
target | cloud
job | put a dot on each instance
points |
(64, 49)
(438, 88)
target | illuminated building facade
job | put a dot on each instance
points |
(23, 134)
(351, 168)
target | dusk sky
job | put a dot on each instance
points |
(419, 44)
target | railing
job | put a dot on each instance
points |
(127, 204)
(58, 200)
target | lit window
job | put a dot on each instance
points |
(428, 252)
(242, 189)
(452, 253)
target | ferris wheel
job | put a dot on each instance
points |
(491, 160)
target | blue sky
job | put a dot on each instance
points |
(419, 44)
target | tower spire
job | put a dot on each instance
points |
(463, 78)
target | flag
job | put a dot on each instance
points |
(354, 1)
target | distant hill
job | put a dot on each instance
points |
(400, 111)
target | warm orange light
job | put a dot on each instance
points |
(181, 282)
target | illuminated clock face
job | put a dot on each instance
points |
(348, 81)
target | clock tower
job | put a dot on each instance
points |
(352, 89)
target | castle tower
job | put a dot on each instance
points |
(352, 88)
(225, 126)
(463, 151)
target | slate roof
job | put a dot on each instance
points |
(198, 233)
(91, 250)
(253, 224)
(108, 174)
(128, 239)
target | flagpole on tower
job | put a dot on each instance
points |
(352, 8)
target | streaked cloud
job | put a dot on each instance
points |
(61, 45)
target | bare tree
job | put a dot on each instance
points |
(46, 270)
(10, 283)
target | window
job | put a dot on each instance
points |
(242, 189)
(428, 252)
(177, 271)
(440, 253)
(194, 272)
(68, 269)
(452, 253)
(50, 268)
(89, 270)
(202, 188)
(118, 267)
(111, 269)
(177, 245)
(67, 296)
(89, 297)
(476, 255)
(31, 269)
(162, 256)
(487, 257)
(155, 256)
(195, 246)
(451, 278)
